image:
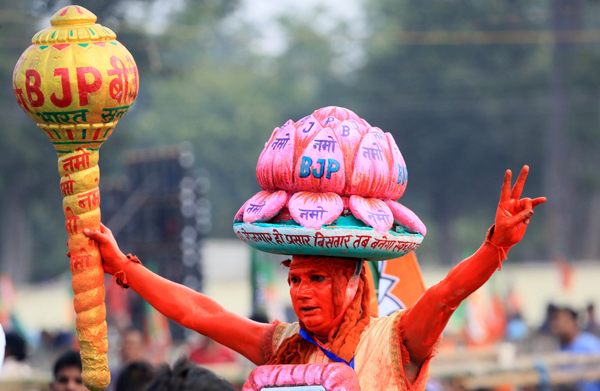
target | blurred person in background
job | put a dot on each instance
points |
(2, 346)
(67, 373)
(541, 339)
(592, 325)
(564, 326)
(132, 349)
(15, 358)
(135, 376)
(545, 327)
(55, 341)
(206, 351)
(516, 328)
(187, 376)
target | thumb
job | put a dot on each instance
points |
(106, 231)
(95, 234)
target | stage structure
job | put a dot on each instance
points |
(160, 211)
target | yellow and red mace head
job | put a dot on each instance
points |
(74, 79)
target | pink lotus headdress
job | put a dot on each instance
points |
(328, 165)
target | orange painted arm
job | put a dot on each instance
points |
(185, 306)
(422, 325)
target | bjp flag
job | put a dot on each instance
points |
(398, 283)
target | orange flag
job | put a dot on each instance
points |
(565, 272)
(399, 284)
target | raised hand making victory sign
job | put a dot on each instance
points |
(425, 321)
(513, 213)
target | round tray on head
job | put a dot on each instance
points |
(345, 237)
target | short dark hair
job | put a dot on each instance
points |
(188, 376)
(16, 346)
(567, 310)
(68, 359)
(135, 376)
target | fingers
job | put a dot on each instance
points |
(522, 217)
(536, 201)
(526, 203)
(518, 189)
(102, 234)
(505, 194)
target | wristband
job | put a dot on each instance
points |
(119, 277)
(499, 249)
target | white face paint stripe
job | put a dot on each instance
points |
(352, 285)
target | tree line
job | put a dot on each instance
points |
(467, 88)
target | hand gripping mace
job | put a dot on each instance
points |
(76, 81)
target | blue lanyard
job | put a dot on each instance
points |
(329, 355)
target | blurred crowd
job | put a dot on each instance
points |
(564, 352)
(199, 363)
(55, 364)
(140, 375)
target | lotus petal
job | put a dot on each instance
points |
(264, 205)
(306, 129)
(371, 169)
(277, 159)
(313, 210)
(264, 168)
(380, 134)
(330, 122)
(373, 212)
(340, 113)
(320, 167)
(239, 216)
(406, 217)
(399, 174)
(349, 135)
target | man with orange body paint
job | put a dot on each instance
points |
(390, 353)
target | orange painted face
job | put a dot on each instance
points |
(311, 291)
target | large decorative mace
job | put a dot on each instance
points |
(76, 81)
